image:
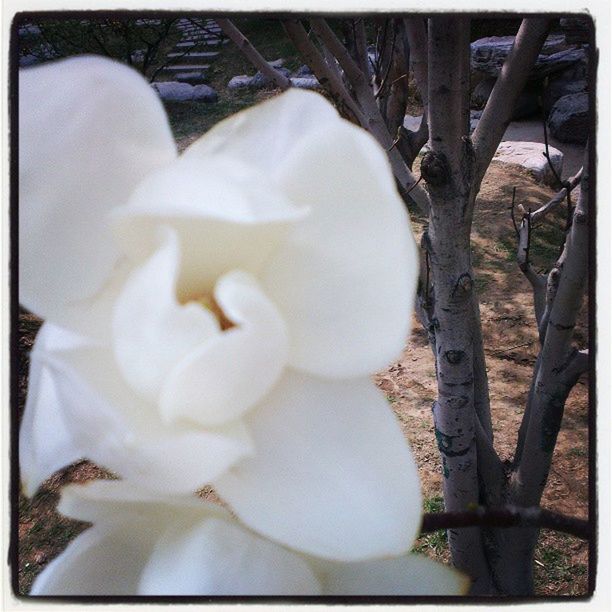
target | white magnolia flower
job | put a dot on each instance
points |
(215, 317)
(143, 545)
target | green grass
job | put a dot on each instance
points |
(195, 118)
(554, 564)
(437, 541)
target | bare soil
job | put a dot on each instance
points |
(511, 341)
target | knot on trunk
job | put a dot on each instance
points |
(454, 357)
(435, 169)
(580, 217)
(463, 286)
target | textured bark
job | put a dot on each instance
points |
(448, 172)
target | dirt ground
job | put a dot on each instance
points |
(511, 341)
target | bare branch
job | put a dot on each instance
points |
(417, 39)
(558, 199)
(328, 79)
(508, 516)
(251, 53)
(551, 382)
(373, 119)
(500, 106)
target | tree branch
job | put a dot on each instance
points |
(507, 516)
(251, 53)
(373, 119)
(500, 106)
(558, 199)
(551, 382)
(328, 79)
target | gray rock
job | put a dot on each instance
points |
(304, 82)
(259, 81)
(489, 54)
(239, 82)
(173, 91)
(204, 93)
(558, 62)
(303, 71)
(569, 118)
(530, 156)
(559, 87)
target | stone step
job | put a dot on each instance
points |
(187, 67)
(195, 54)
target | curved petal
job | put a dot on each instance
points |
(124, 433)
(332, 475)
(407, 575)
(152, 332)
(118, 501)
(263, 135)
(46, 443)
(345, 279)
(108, 129)
(217, 557)
(104, 560)
(227, 216)
(231, 373)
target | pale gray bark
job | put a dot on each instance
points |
(448, 174)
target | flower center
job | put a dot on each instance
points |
(208, 301)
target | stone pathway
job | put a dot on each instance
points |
(192, 55)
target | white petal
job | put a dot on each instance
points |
(263, 135)
(122, 432)
(217, 557)
(45, 440)
(104, 560)
(152, 332)
(117, 501)
(407, 575)
(345, 280)
(89, 130)
(227, 216)
(332, 474)
(232, 372)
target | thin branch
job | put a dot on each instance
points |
(557, 199)
(374, 121)
(251, 53)
(328, 79)
(546, 153)
(507, 516)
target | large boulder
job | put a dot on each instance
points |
(569, 118)
(530, 155)
(558, 87)
(489, 54)
(528, 102)
(173, 91)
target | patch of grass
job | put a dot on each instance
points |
(433, 543)
(554, 565)
(194, 118)
(578, 451)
